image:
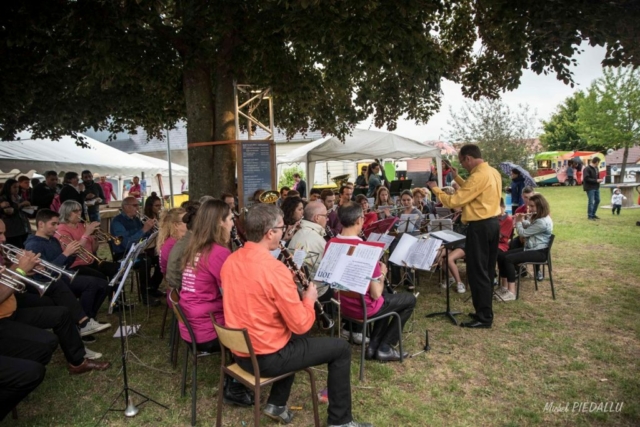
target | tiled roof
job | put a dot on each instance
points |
(615, 158)
(138, 143)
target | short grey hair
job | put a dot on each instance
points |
(259, 219)
(312, 209)
(66, 208)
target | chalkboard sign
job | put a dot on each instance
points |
(256, 168)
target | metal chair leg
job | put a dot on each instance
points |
(220, 393)
(194, 389)
(184, 372)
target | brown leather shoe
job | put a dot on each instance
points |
(88, 365)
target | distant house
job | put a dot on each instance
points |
(614, 163)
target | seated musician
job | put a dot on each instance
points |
(129, 226)
(369, 216)
(200, 293)
(152, 209)
(506, 227)
(172, 229)
(385, 332)
(72, 228)
(90, 290)
(264, 299)
(536, 231)
(328, 197)
(518, 242)
(293, 210)
(310, 238)
(334, 222)
(174, 260)
(422, 201)
(383, 202)
(23, 338)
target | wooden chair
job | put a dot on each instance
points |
(190, 353)
(547, 262)
(365, 321)
(237, 340)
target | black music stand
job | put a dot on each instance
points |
(398, 186)
(130, 410)
(449, 241)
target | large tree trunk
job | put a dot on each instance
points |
(200, 128)
(225, 130)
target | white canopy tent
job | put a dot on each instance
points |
(361, 145)
(64, 155)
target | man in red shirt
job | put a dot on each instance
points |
(107, 189)
(265, 300)
(135, 190)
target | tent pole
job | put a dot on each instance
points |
(170, 172)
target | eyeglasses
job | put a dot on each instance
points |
(76, 210)
(137, 206)
(322, 214)
(279, 228)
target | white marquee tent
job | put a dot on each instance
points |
(361, 145)
(64, 155)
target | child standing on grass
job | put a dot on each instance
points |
(616, 201)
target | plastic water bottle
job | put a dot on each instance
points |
(507, 203)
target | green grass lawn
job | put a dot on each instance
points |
(582, 347)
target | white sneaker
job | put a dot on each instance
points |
(93, 326)
(509, 296)
(461, 288)
(357, 336)
(452, 282)
(90, 354)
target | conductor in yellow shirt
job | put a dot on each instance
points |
(479, 198)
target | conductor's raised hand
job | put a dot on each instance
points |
(432, 184)
(311, 292)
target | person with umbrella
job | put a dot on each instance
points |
(517, 185)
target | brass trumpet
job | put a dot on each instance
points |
(46, 269)
(82, 253)
(18, 282)
(103, 236)
(145, 218)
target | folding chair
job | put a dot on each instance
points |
(189, 351)
(365, 321)
(547, 262)
(237, 340)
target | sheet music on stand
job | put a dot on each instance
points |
(130, 259)
(408, 223)
(349, 263)
(413, 252)
(448, 236)
(383, 238)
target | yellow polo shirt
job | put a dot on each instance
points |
(478, 196)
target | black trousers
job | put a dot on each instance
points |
(302, 352)
(385, 331)
(148, 280)
(18, 378)
(507, 261)
(104, 270)
(481, 252)
(58, 294)
(516, 243)
(25, 334)
(91, 291)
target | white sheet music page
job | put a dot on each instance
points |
(384, 238)
(329, 261)
(299, 256)
(401, 252)
(423, 253)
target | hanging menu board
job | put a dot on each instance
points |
(256, 169)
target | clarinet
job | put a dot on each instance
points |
(324, 320)
(328, 233)
(234, 235)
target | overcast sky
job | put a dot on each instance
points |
(542, 93)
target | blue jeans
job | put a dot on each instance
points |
(594, 201)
